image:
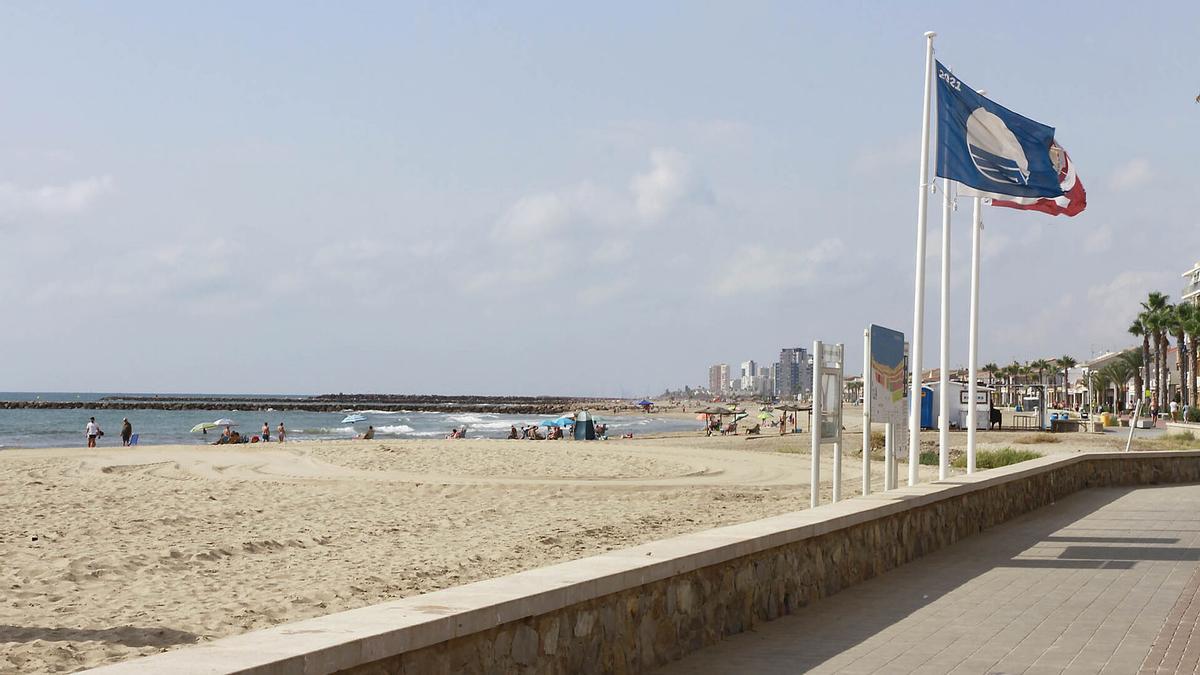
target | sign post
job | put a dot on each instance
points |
(828, 367)
(887, 403)
(868, 385)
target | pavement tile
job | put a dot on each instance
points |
(930, 616)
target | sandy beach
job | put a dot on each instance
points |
(115, 552)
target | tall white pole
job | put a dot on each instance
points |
(914, 413)
(973, 344)
(868, 381)
(944, 363)
(815, 428)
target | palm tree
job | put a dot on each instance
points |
(1066, 363)
(1098, 381)
(1117, 372)
(1155, 309)
(1177, 316)
(1139, 328)
(991, 369)
(1185, 320)
(1190, 319)
(1014, 372)
(1133, 360)
(1040, 367)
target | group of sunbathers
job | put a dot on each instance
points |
(231, 435)
(531, 432)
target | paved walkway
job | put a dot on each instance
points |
(1104, 581)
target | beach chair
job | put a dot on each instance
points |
(133, 439)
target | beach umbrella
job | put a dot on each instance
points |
(225, 422)
(645, 403)
(765, 416)
(204, 426)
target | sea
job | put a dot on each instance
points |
(56, 428)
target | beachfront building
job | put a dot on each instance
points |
(718, 378)
(1191, 289)
(793, 374)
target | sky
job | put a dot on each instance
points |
(554, 198)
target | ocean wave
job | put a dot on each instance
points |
(471, 419)
(325, 430)
(395, 429)
(375, 412)
(502, 424)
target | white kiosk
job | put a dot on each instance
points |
(959, 405)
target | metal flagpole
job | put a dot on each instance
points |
(973, 332)
(866, 399)
(973, 344)
(914, 412)
(815, 428)
(944, 363)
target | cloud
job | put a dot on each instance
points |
(533, 217)
(612, 251)
(1132, 174)
(756, 269)
(604, 292)
(669, 182)
(652, 196)
(52, 200)
(1120, 296)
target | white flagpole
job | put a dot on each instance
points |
(944, 364)
(973, 345)
(868, 384)
(914, 401)
(973, 331)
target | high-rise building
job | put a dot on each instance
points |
(793, 373)
(747, 375)
(718, 378)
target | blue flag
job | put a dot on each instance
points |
(988, 147)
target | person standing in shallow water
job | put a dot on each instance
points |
(266, 432)
(279, 432)
(93, 432)
(126, 432)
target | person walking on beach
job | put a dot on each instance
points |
(279, 432)
(266, 432)
(93, 432)
(126, 431)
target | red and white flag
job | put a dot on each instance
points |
(1072, 201)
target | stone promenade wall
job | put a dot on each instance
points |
(630, 610)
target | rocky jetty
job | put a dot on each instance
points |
(514, 405)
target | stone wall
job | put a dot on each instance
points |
(659, 622)
(652, 604)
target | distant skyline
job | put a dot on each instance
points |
(540, 199)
